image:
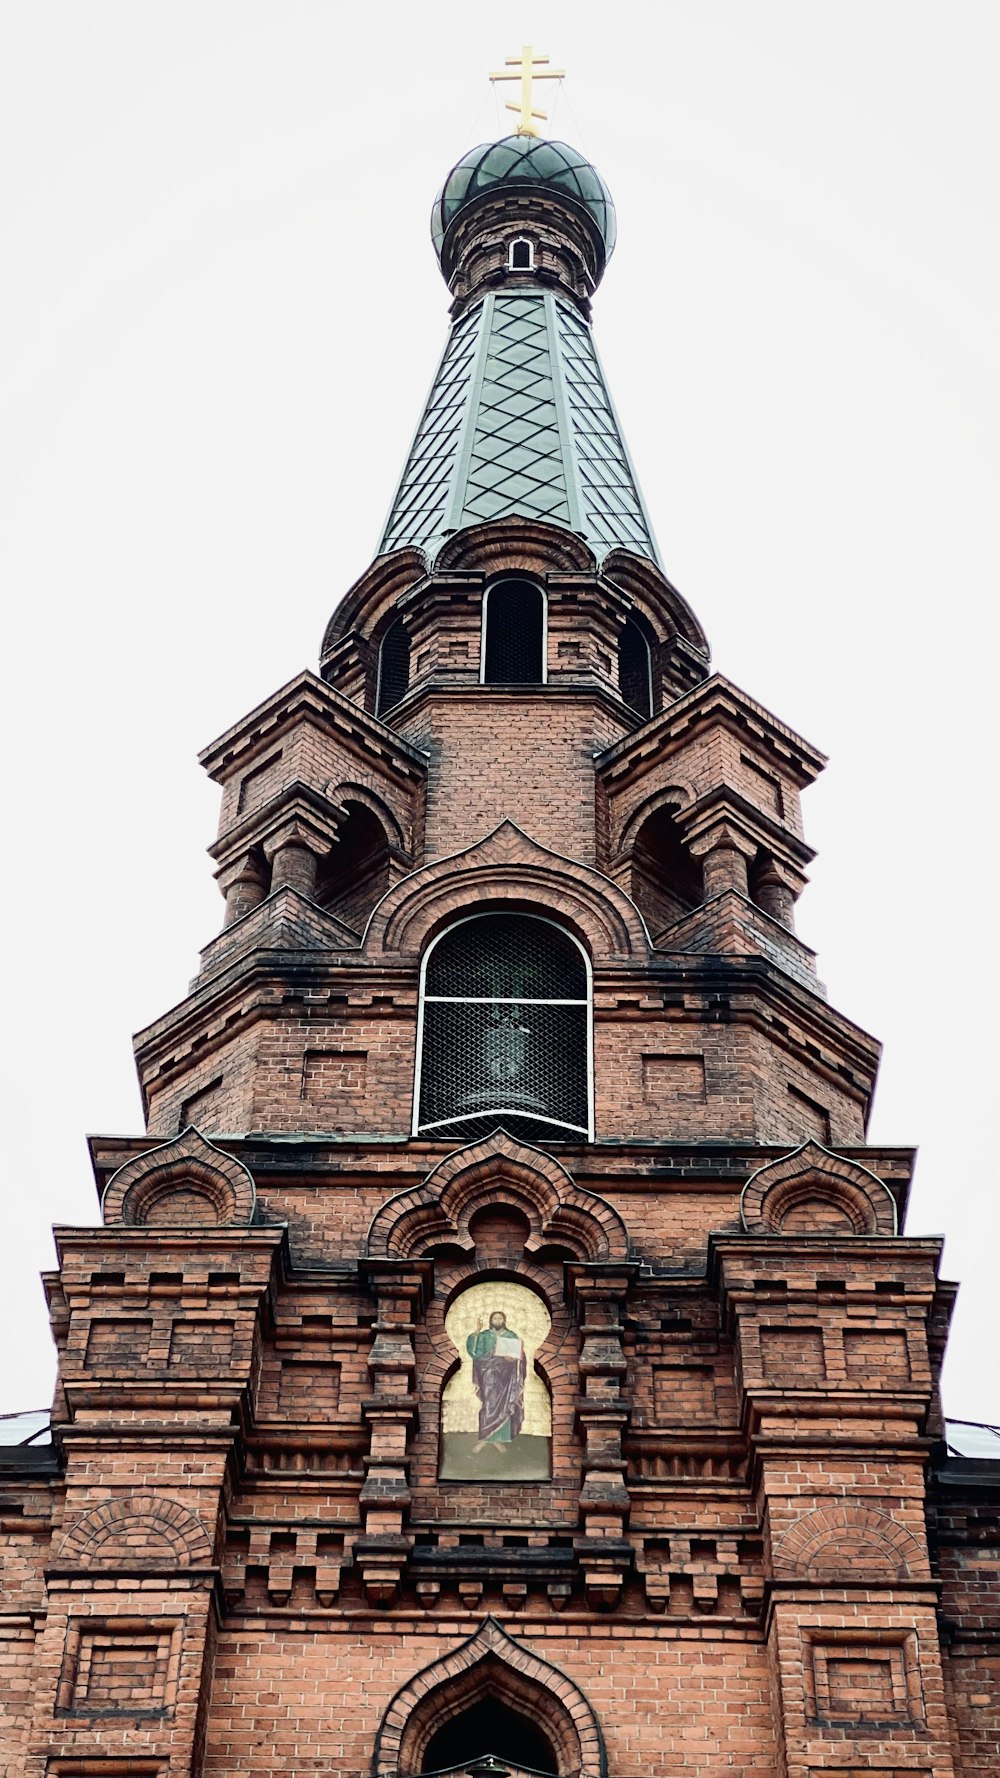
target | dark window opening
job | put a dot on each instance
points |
(505, 1032)
(521, 257)
(355, 873)
(393, 667)
(514, 615)
(666, 880)
(635, 669)
(489, 1727)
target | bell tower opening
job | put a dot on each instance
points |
(504, 1032)
(489, 1726)
(514, 633)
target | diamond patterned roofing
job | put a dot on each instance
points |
(519, 422)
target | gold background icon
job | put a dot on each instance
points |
(526, 1315)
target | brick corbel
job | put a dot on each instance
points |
(391, 1415)
(598, 1294)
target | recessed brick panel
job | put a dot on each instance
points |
(308, 1390)
(202, 1345)
(114, 1344)
(792, 1354)
(108, 1670)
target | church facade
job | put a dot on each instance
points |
(500, 1352)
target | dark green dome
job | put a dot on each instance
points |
(522, 163)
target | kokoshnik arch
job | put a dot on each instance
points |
(499, 1353)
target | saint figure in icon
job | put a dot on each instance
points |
(499, 1367)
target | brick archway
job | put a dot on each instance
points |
(490, 1663)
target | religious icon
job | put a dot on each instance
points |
(496, 1418)
(498, 1370)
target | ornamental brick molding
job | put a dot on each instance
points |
(498, 1171)
(186, 1182)
(815, 1192)
(849, 1543)
(492, 1664)
(143, 1531)
(508, 868)
(516, 546)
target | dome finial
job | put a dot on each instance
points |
(524, 68)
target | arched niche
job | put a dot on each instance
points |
(665, 881)
(496, 1410)
(354, 875)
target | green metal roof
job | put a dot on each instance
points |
(523, 163)
(519, 422)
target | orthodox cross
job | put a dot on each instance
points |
(522, 68)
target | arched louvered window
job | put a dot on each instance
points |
(635, 669)
(505, 1032)
(393, 667)
(514, 633)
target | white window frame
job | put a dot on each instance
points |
(570, 1132)
(503, 580)
(521, 241)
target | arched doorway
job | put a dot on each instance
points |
(490, 1726)
(491, 1695)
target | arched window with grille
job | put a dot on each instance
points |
(505, 1032)
(521, 255)
(393, 667)
(635, 668)
(513, 633)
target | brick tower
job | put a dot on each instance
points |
(500, 1353)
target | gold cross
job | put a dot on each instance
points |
(523, 67)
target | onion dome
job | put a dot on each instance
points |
(519, 165)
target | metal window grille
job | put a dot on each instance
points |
(505, 1032)
(393, 667)
(635, 678)
(515, 630)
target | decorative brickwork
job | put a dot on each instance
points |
(612, 1455)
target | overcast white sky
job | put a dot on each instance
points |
(219, 315)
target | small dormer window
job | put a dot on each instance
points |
(521, 255)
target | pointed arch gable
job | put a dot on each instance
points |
(498, 1170)
(814, 1176)
(491, 1661)
(507, 868)
(187, 1180)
